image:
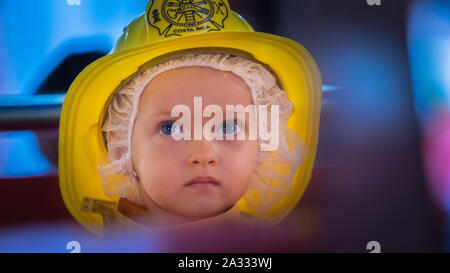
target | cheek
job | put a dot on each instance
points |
(155, 160)
(242, 151)
(151, 149)
(240, 163)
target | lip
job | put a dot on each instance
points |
(202, 181)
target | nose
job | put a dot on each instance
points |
(203, 153)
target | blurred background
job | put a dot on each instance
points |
(382, 171)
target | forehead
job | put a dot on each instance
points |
(181, 85)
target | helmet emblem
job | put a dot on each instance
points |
(177, 17)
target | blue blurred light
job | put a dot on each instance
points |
(32, 100)
(20, 155)
(38, 35)
(54, 238)
(445, 61)
(329, 88)
(58, 99)
(429, 55)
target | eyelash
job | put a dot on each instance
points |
(236, 123)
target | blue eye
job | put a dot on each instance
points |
(230, 127)
(169, 128)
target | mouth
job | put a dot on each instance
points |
(203, 181)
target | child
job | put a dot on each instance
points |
(121, 150)
(160, 170)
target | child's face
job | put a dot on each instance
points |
(165, 166)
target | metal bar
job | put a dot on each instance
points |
(27, 112)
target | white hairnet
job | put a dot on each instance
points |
(275, 169)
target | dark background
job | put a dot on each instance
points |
(368, 183)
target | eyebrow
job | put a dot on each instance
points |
(166, 112)
(162, 113)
